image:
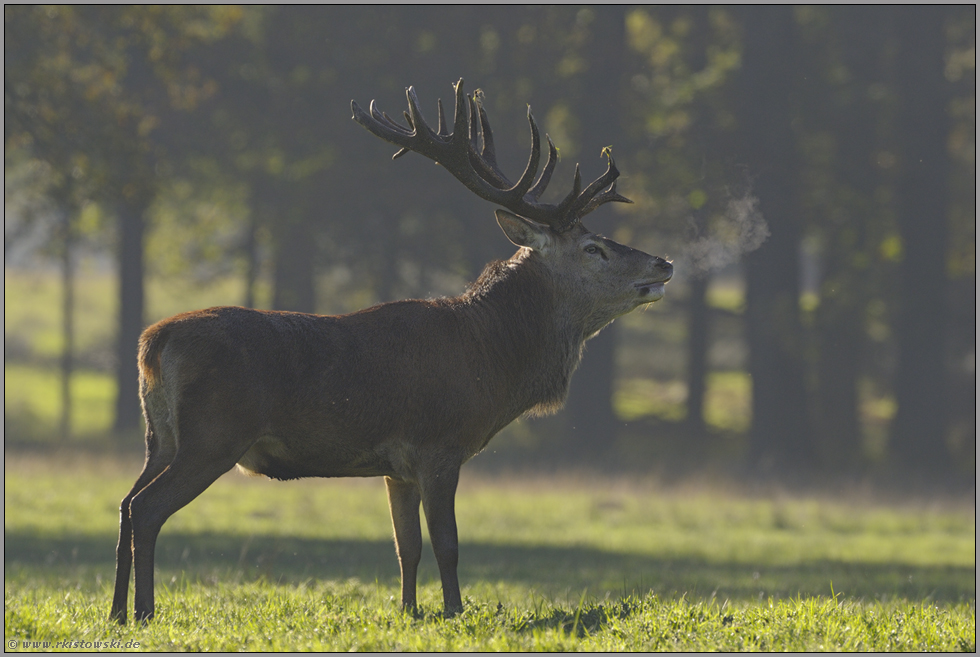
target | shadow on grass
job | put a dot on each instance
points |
(549, 570)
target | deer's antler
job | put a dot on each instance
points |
(468, 153)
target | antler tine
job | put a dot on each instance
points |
(489, 151)
(487, 161)
(461, 118)
(416, 120)
(443, 132)
(527, 178)
(484, 158)
(567, 218)
(473, 104)
(608, 196)
(549, 167)
(591, 198)
(386, 120)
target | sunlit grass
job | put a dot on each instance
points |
(726, 294)
(32, 307)
(32, 395)
(727, 403)
(358, 616)
(546, 563)
(637, 398)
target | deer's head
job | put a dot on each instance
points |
(596, 277)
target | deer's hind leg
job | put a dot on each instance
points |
(209, 442)
(160, 451)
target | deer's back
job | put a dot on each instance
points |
(372, 390)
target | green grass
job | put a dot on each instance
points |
(351, 616)
(32, 311)
(728, 398)
(32, 396)
(546, 564)
(726, 295)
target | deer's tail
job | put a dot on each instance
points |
(151, 345)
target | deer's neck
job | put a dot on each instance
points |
(532, 347)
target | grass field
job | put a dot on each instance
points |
(546, 563)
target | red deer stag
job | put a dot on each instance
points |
(408, 390)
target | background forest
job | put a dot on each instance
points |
(809, 170)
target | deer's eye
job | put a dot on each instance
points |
(592, 249)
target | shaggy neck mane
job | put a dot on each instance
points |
(516, 304)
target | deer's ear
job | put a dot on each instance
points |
(522, 232)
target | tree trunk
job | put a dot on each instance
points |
(843, 295)
(697, 355)
(294, 278)
(67, 325)
(592, 421)
(698, 315)
(918, 431)
(295, 250)
(839, 355)
(591, 424)
(252, 264)
(779, 437)
(131, 301)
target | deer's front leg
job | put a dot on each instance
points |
(403, 501)
(439, 502)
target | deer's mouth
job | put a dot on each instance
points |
(651, 291)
